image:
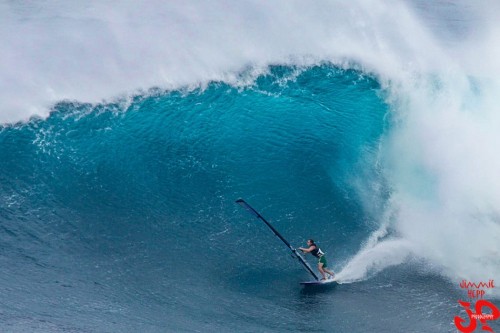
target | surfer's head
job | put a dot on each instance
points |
(310, 242)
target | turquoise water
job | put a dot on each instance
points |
(128, 130)
(121, 217)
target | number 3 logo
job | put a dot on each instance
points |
(473, 317)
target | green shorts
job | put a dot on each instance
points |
(322, 260)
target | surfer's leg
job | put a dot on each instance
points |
(322, 261)
(329, 272)
(320, 268)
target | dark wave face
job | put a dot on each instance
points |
(121, 217)
(129, 129)
(121, 210)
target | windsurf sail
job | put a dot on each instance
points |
(252, 211)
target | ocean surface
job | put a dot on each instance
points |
(128, 131)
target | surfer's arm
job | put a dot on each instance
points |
(307, 250)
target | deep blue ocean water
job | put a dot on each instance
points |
(128, 130)
(121, 217)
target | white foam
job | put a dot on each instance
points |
(56, 50)
(439, 65)
(372, 260)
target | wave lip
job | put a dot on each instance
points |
(89, 53)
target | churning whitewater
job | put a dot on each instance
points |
(128, 132)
